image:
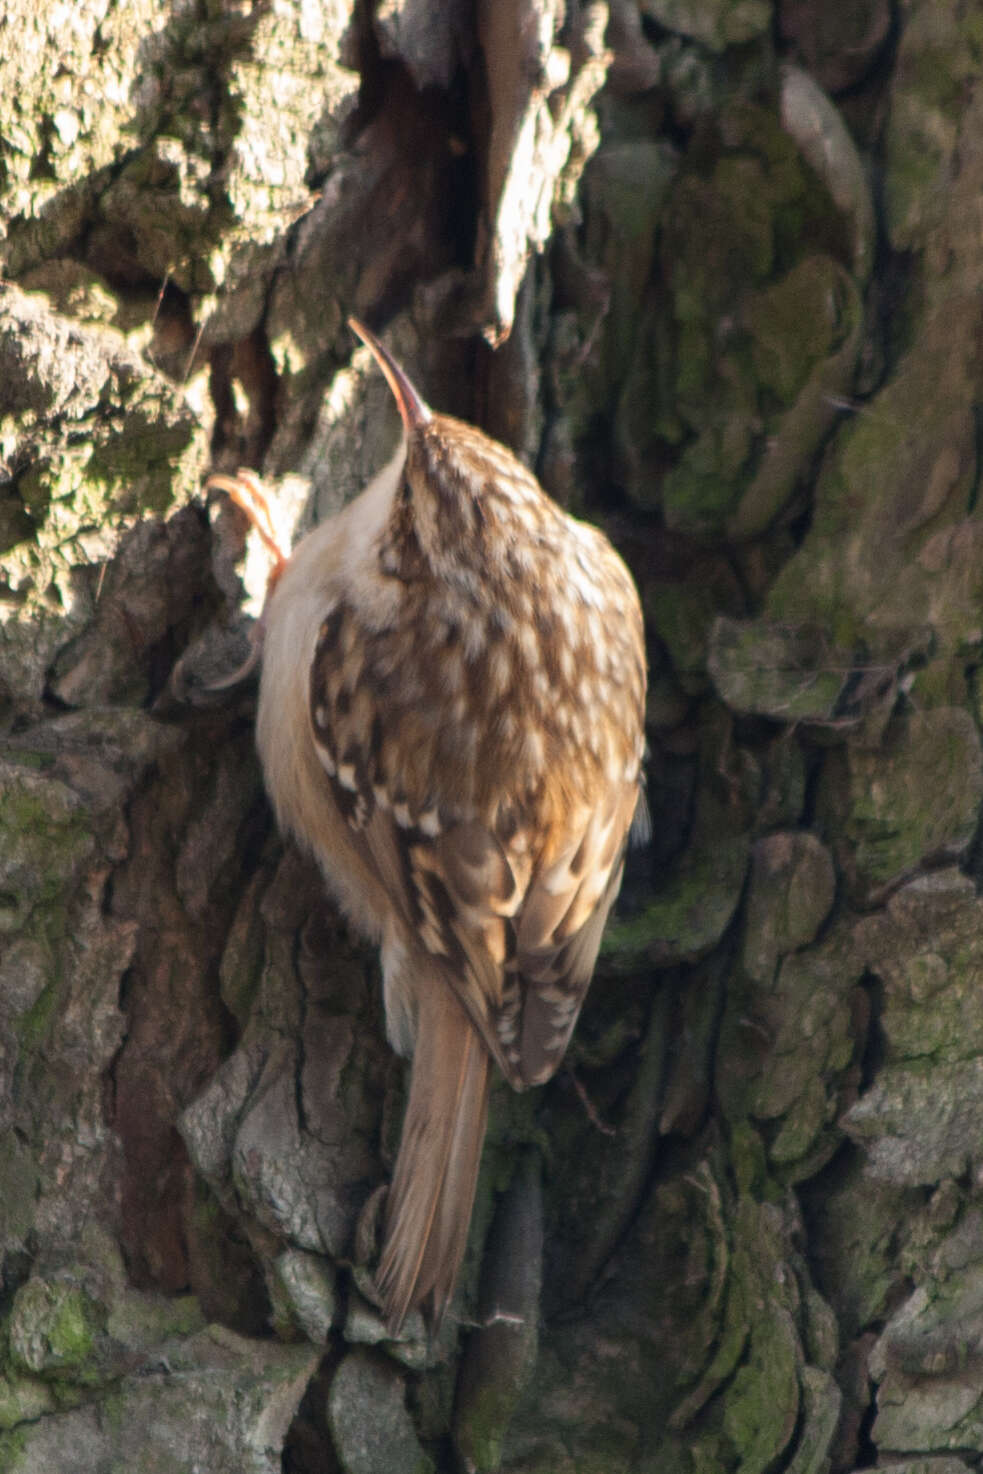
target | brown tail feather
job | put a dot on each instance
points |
(432, 1193)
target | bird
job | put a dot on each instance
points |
(451, 721)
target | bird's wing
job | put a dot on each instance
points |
(514, 926)
(523, 936)
(559, 928)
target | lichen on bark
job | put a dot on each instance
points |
(759, 374)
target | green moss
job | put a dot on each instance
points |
(144, 1320)
(487, 1423)
(627, 182)
(910, 179)
(756, 310)
(706, 484)
(29, 811)
(34, 1025)
(802, 1127)
(786, 672)
(787, 1050)
(71, 1332)
(936, 76)
(716, 23)
(761, 1404)
(709, 1455)
(747, 1157)
(794, 324)
(54, 1328)
(927, 950)
(681, 616)
(18, 1190)
(689, 916)
(12, 1448)
(717, 236)
(44, 840)
(790, 895)
(134, 459)
(733, 1311)
(913, 798)
(23, 1400)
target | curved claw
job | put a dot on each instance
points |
(242, 672)
(246, 490)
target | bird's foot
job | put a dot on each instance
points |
(247, 491)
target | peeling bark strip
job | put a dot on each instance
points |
(542, 132)
(776, 1261)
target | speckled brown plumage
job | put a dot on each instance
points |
(451, 718)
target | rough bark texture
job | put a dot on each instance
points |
(713, 267)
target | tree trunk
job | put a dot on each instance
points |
(713, 270)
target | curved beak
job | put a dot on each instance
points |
(413, 410)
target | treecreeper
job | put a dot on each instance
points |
(451, 719)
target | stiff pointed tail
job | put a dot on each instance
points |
(432, 1193)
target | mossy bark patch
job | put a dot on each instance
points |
(766, 1265)
(99, 442)
(790, 895)
(911, 799)
(221, 1398)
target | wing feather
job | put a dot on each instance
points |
(514, 932)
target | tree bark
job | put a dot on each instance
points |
(713, 270)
